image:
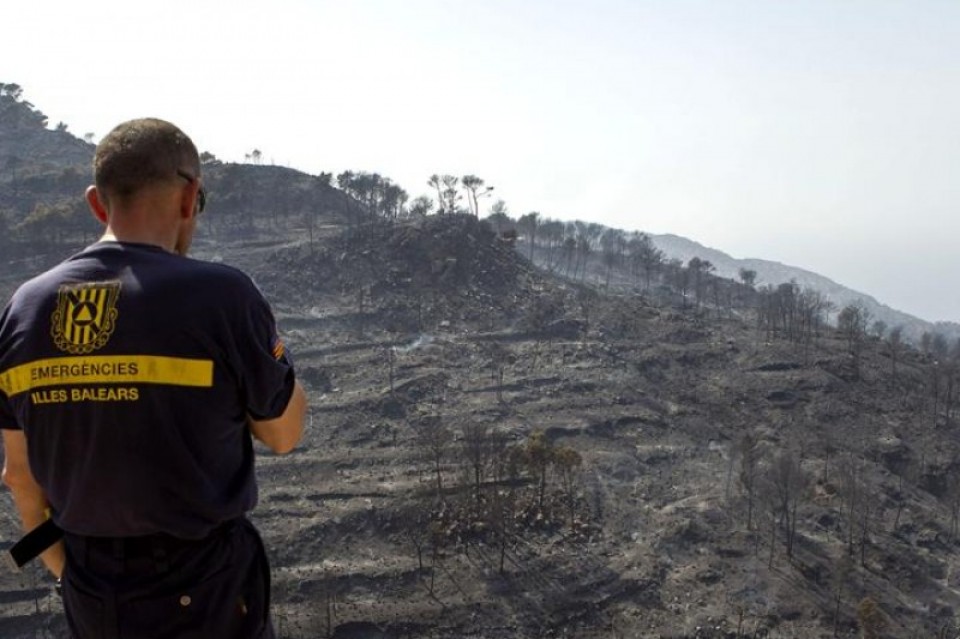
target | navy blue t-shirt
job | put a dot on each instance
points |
(132, 371)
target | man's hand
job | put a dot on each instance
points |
(282, 434)
(27, 494)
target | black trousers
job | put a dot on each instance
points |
(160, 587)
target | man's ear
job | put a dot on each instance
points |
(188, 201)
(97, 207)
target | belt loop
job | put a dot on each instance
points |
(82, 550)
(117, 546)
(160, 556)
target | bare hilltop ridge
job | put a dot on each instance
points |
(512, 435)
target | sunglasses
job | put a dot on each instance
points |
(201, 194)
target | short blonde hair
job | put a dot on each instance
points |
(140, 153)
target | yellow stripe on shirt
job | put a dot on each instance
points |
(107, 369)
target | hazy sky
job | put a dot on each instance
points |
(822, 134)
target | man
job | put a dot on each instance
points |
(131, 381)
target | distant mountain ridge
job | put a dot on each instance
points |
(38, 164)
(774, 273)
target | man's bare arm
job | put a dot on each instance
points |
(282, 434)
(27, 494)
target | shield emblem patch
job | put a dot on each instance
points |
(86, 316)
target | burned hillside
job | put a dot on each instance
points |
(722, 481)
(405, 277)
(732, 475)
